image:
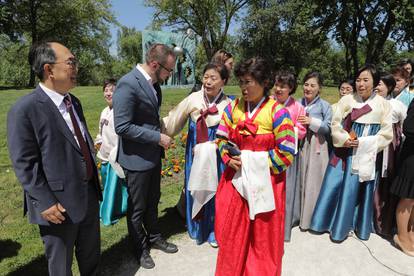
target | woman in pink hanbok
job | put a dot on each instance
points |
(285, 86)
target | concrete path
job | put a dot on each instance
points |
(307, 254)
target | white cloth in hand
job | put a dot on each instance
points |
(253, 182)
(203, 179)
(363, 161)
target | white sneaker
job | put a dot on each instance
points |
(213, 244)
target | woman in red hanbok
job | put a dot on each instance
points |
(256, 140)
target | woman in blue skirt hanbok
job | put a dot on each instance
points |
(203, 165)
(361, 127)
(115, 195)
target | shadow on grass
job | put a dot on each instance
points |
(9, 249)
(119, 258)
(15, 87)
(37, 267)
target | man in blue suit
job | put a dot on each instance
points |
(136, 105)
(52, 155)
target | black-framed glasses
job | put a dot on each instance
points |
(166, 69)
(72, 62)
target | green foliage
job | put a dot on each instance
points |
(129, 46)
(280, 33)
(366, 26)
(81, 25)
(209, 19)
(13, 62)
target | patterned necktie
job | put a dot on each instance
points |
(82, 144)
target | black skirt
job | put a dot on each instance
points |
(403, 184)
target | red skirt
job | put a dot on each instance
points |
(248, 247)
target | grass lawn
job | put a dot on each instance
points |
(21, 250)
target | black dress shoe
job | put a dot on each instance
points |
(146, 261)
(164, 246)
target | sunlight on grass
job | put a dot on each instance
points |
(27, 256)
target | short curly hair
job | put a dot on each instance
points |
(259, 69)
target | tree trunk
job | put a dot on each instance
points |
(356, 29)
(33, 22)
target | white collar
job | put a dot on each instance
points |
(56, 97)
(215, 99)
(373, 94)
(251, 113)
(146, 75)
(287, 101)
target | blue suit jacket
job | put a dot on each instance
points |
(137, 122)
(46, 158)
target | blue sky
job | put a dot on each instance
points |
(133, 13)
(130, 13)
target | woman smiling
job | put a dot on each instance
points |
(314, 155)
(203, 111)
(361, 127)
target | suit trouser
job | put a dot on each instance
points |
(60, 239)
(142, 213)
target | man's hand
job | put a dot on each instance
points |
(235, 163)
(54, 214)
(165, 141)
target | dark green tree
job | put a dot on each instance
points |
(82, 25)
(281, 32)
(372, 22)
(129, 51)
(209, 19)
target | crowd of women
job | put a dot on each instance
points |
(262, 162)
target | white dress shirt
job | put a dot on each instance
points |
(57, 99)
(148, 79)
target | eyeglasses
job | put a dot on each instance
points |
(72, 62)
(246, 83)
(166, 69)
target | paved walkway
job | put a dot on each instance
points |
(306, 254)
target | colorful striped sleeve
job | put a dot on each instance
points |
(282, 155)
(223, 132)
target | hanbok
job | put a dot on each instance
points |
(198, 111)
(346, 200)
(115, 195)
(385, 203)
(249, 220)
(293, 195)
(314, 156)
(405, 96)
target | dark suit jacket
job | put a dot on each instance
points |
(137, 122)
(46, 158)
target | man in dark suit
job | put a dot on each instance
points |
(50, 148)
(136, 105)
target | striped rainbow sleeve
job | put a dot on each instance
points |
(223, 131)
(282, 155)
